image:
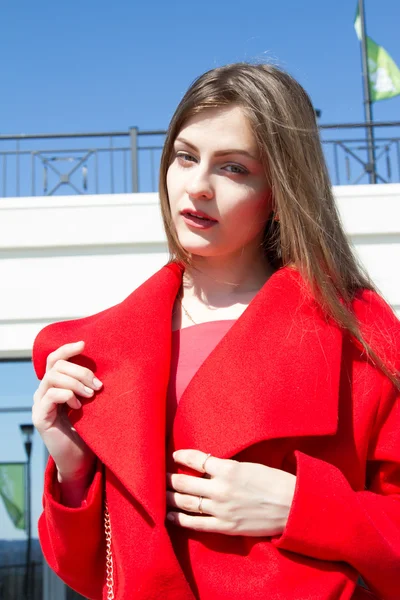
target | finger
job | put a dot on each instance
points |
(84, 375)
(64, 352)
(58, 380)
(42, 410)
(200, 461)
(210, 524)
(189, 503)
(187, 484)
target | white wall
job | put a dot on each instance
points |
(371, 217)
(65, 257)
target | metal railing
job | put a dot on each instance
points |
(347, 158)
(12, 582)
(128, 161)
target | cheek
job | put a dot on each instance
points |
(169, 181)
(175, 185)
(174, 189)
(254, 209)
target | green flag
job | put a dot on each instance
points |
(12, 491)
(384, 74)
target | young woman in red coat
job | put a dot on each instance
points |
(231, 430)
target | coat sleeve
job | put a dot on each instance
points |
(329, 520)
(72, 539)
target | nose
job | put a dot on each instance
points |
(199, 184)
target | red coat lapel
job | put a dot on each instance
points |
(129, 349)
(275, 374)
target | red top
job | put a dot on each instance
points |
(190, 347)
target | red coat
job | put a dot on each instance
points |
(285, 388)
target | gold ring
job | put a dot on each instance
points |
(200, 503)
(203, 466)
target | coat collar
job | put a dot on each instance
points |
(275, 374)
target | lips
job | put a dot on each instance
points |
(199, 214)
(197, 219)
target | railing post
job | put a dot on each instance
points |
(133, 133)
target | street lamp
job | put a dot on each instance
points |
(27, 434)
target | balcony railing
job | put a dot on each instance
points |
(13, 586)
(128, 161)
(12, 582)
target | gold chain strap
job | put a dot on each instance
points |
(109, 558)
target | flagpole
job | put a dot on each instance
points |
(367, 97)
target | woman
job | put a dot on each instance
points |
(277, 476)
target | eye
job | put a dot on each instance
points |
(184, 158)
(237, 170)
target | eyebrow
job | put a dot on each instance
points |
(220, 152)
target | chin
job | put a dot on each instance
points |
(195, 244)
(200, 249)
(196, 250)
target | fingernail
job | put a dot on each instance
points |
(170, 517)
(88, 391)
(79, 403)
(97, 383)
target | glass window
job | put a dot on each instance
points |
(17, 385)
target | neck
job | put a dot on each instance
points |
(215, 279)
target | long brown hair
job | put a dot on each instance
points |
(309, 234)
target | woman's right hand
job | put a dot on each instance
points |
(60, 386)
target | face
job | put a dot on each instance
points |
(216, 172)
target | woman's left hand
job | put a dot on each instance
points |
(234, 498)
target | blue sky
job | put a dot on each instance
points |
(101, 66)
(91, 66)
